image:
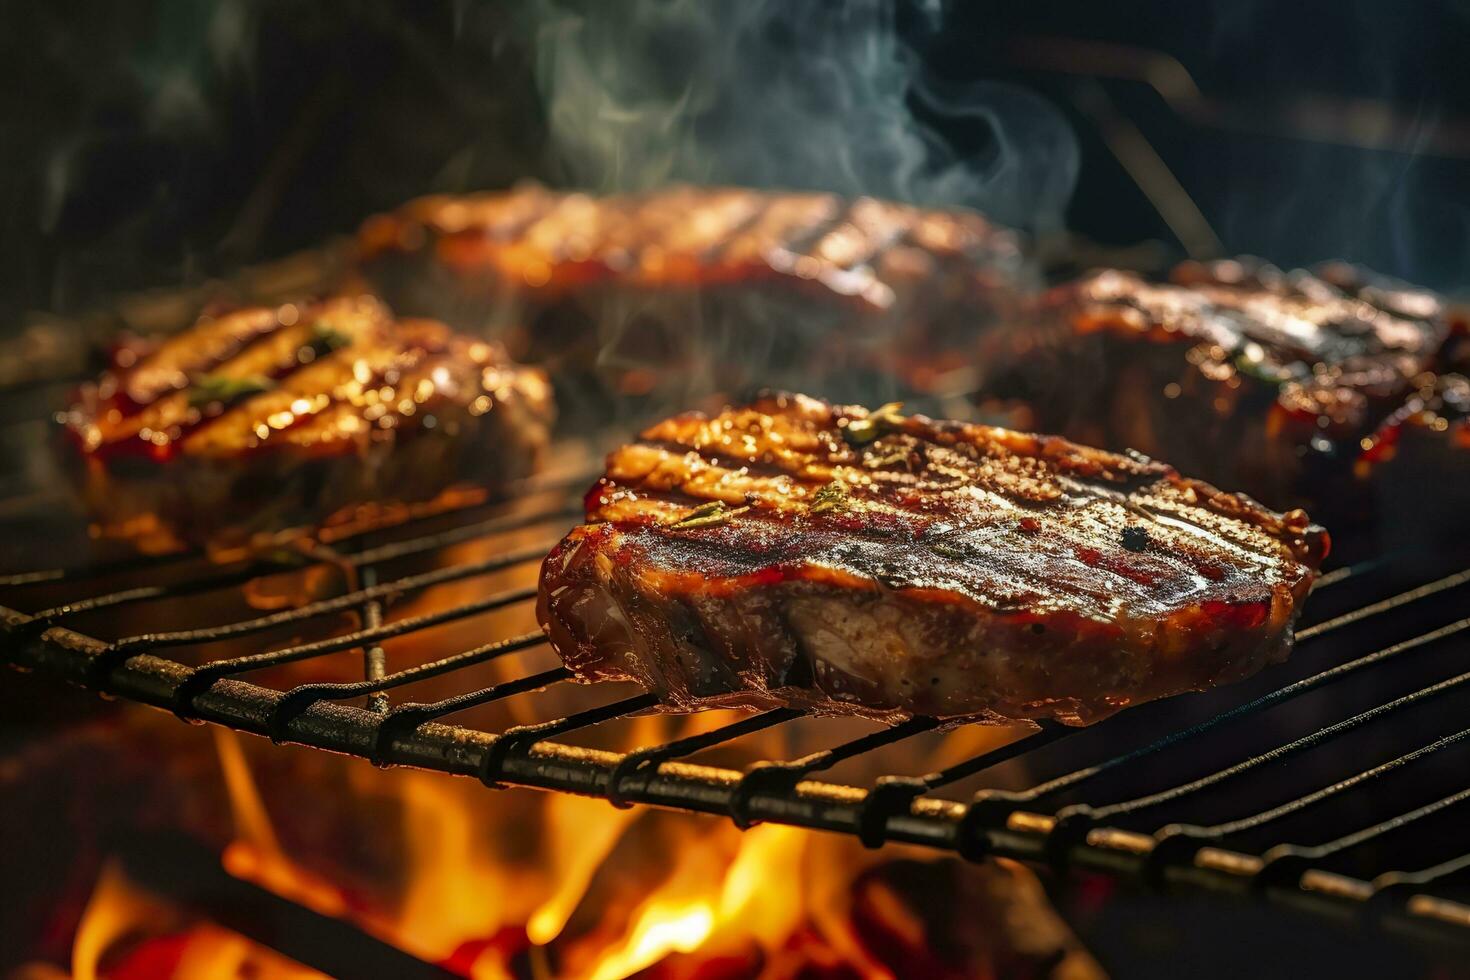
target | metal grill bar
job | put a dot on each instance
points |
(347, 641)
(639, 759)
(767, 777)
(1275, 755)
(1327, 792)
(387, 552)
(995, 800)
(894, 807)
(1393, 602)
(302, 696)
(1302, 855)
(409, 583)
(374, 657)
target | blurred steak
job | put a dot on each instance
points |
(269, 417)
(853, 562)
(1242, 374)
(1417, 461)
(764, 278)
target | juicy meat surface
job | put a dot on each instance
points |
(535, 239)
(794, 552)
(1237, 372)
(267, 417)
(1433, 420)
(700, 289)
(1417, 464)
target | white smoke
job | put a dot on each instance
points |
(768, 93)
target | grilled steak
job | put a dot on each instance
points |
(1417, 463)
(764, 277)
(1328, 281)
(1245, 376)
(268, 417)
(845, 561)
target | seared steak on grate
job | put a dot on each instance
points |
(1246, 376)
(793, 552)
(686, 277)
(269, 417)
(1417, 461)
(533, 239)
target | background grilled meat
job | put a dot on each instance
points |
(1244, 375)
(1417, 463)
(263, 418)
(750, 286)
(1391, 296)
(793, 552)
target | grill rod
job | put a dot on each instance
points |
(306, 714)
(897, 807)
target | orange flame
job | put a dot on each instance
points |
(769, 854)
(716, 896)
(118, 909)
(582, 832)
(478, 864)
(212, 953)
(256, 854)
(457, 888)
(662, 928)
(115, 909)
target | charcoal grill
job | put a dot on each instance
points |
(1335, 782)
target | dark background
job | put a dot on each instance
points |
(152, 142)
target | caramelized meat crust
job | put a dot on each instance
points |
(538, 240)
(1417, 463)
(851, 562)
(1242, 374)
(268, 417)
(751, 285)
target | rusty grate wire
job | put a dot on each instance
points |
(1207, 792)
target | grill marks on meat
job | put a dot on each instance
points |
(687, 290)
(793, 552)
(269, 416)
(1240, 373)
(539, 240)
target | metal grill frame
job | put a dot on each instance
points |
(896, 808)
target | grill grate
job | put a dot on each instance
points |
(1204, 791)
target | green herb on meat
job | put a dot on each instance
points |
(884, 418)
(708, 515)
(831, 497)
(326, 337)
(209, 389)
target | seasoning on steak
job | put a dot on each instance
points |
(1245, 376)
(764, 278)
(264, 418)
(852, 562)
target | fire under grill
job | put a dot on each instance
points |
(1335, 782)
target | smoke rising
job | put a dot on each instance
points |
(788, 95)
